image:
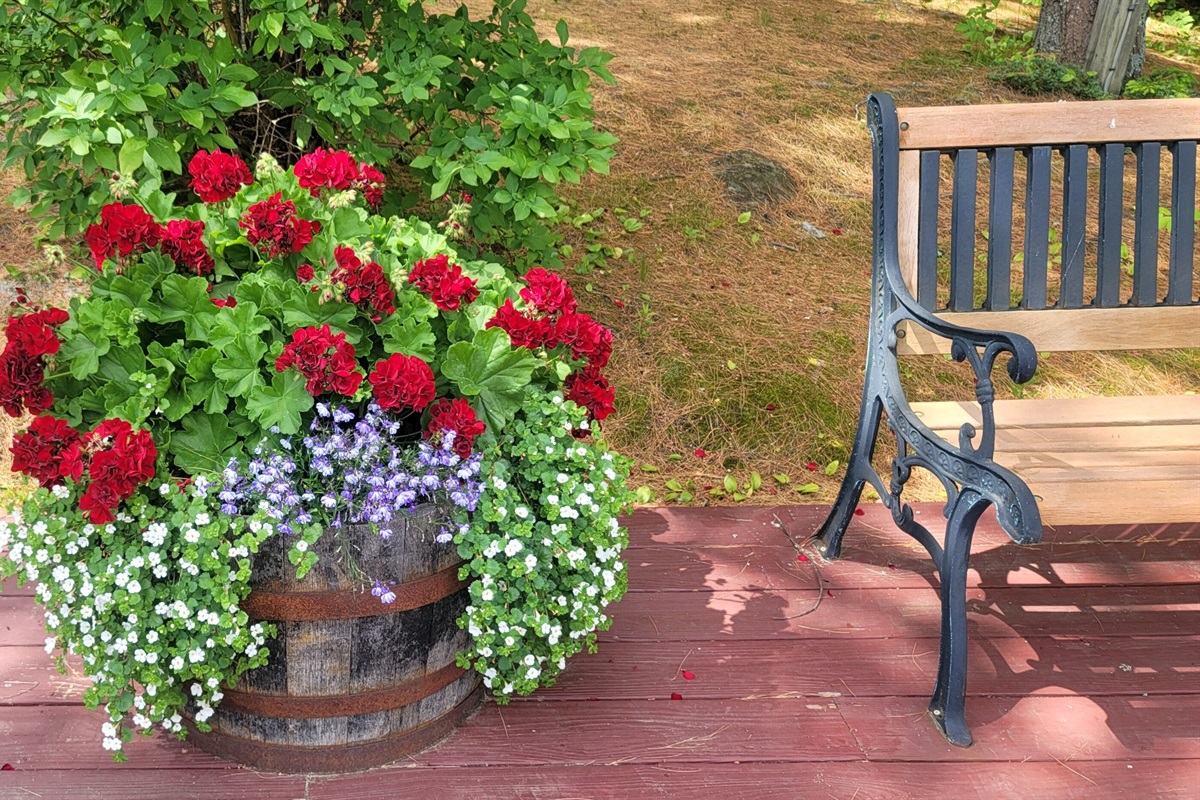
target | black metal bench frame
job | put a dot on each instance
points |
(972, 479)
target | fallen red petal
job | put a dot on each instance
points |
(836, 231)
(687, 676)
(8, 767)
(725, 283)
(676, 696)
(770, 406)
(802, 557)
(593, 698)
(811, 466)
(828, 593)
(635, 667)
(618, 304)
(891, 566)
(700, 453)
(858, 512)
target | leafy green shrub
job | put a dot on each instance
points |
(96, 87)
(1037, 75)
(1167, 82)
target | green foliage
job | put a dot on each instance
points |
(543, 550)
(150, 346)
(1167, 82)
(92, 88)
(1038, 74)
(986, 42)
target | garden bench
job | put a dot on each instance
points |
(1036, 461)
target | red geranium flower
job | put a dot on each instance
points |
(121, 460)
(100, 500)
(586, 338)
(522, 330)
(325, 360)
(402, 381)
(228, 302)
(458, 416)
(444, 283)
(48, 452)
(366, 285)
(590, 389)
(183, 243)
(326, 169)
(548, 293)
(33, 334)
(21, 387)
(218, 176)
(273, 227)
(122, 231)
(371, 183)
(304, 273)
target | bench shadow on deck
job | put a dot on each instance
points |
(1085, 680)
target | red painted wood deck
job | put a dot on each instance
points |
(1085, 681)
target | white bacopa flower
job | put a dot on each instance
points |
(50, 642)
(522, 512)
(164, 489)
(60, 491)
(513, 547)
(486, 595)
(191, 535)
(301, 545)
(562, 477)
(531, 561)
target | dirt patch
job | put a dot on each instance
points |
(751, 179)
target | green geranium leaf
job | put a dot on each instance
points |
(205, 443)
(280, 404)
(309, 312)
(187, 300)
(201, 384)
(228, 324)
(491, 369)
(240, 372)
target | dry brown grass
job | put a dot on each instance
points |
(753, 351)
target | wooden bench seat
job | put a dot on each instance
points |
(1093, 460)
(1002, 232)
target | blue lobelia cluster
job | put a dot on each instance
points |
(350, 469)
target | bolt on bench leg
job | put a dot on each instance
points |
(947, 707)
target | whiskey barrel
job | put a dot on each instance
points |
(351, 683)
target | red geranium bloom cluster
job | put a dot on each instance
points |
(49, 451)
(31, 338)
(366, 285)
(337, 170)
(273, 227)
(121, 459)
(445, 283)
(401, 381)
(524, 331)
(458, 416)
(123, 229)
(548, 293)
(183, 243)
(218, 176)
(586, 338)
(325, 360)
(591, 390)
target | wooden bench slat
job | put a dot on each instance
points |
(1145, 225)
(1055, 413)
(1183, 224)
(1037, 227)
(1000, 228)
(1058, 330)
(951, 127)
(1108, 240)
(1105, 500)
(1105, 441)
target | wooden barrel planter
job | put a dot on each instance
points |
(351, 683)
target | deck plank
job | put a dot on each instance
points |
(1085, 673)
(732, 669)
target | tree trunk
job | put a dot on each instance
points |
(1064, 28)
(1080, 33)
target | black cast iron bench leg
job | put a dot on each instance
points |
(858, 470)
(947, 707)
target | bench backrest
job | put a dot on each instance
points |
(1056, 183)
